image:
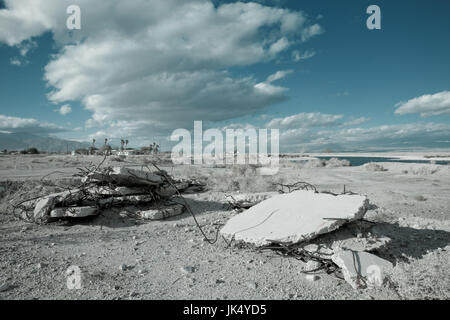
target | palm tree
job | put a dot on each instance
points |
(122, 142)
(106, 149)
(93, 146)
(126, 144)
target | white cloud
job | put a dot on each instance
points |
(16, 61)
(64, 110)
(278, 75)
(311, 31)
(355, 122)
(427, 105)
(26, 46)
(281, 45)
(158, 65)
(305, 120)
(23, 48)
(298, 56)
(398, 137)
(15, 124)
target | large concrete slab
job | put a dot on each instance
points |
(294, 217)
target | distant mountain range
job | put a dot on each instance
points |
(22, 140)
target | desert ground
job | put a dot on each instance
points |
(122, 257)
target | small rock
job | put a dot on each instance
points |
(134, 238)
(252, 285)
(312, 277)
(41, 265)
(219, 281)
(133, 294)
(187, 269)
(419, 198)
(123, 267)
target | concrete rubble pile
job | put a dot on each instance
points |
(114, 187)
(306, 220)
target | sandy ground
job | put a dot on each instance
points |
(410, 203)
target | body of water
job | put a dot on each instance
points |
(359, 161)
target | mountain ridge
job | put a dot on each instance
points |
(24, 140)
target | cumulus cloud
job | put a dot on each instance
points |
(427, 105)
(158, 65)
(355, 122)
(305, 120)
(64, 110)
(15, 124)
(278, 75)
(311, 31)
(16, 61)
(402, 136)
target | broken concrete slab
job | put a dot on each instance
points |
(294, 217)
(344, 238)
(119, 191)
(126, 200)
(166, 191)
(162, 213)
(123, 176)
(43, 206)
(362, 269)
(108, 187)
(76, 212)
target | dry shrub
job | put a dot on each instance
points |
(374, 167)
(331, 163)
(243, 178)
(425, 170)
(334, 163)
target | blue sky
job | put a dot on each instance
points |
(355, 89)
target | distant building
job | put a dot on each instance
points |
(127, 152)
